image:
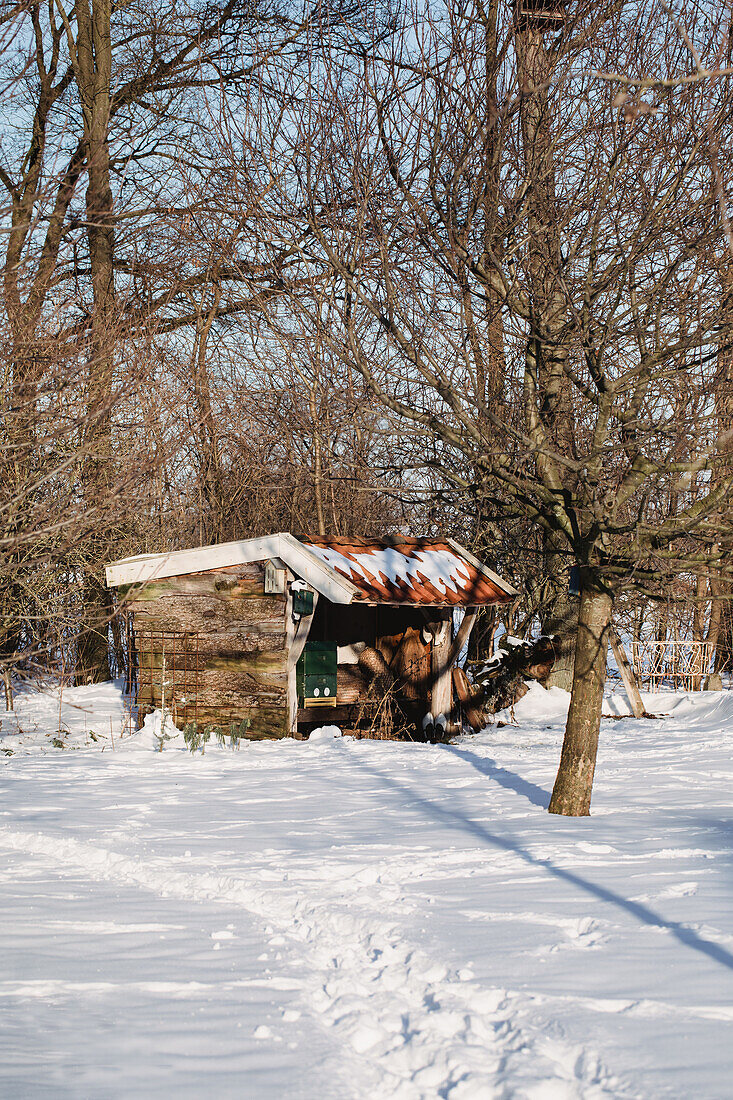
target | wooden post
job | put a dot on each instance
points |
(463, 634)
(444, 657)
(442, 694)
(8, 689)
(627, 674)
(296, 635)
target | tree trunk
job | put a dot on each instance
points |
(547, 393)
(724, 648)
(92, 654)
(712, 681)
(486, 332)
(211, 473)
(559, 614)
(572, 791)
(698, 668)
(92, 71)
(317, 462)
(723, 590)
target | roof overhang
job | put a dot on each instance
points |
(297, 556)
(151, 567)
(500, 583)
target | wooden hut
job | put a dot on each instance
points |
(287, 633)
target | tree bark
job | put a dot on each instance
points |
(721, 617)
(93, 70)
(548, 403)
(559, 613)
(211, 473)
(698, 668)
(712, 681)
(574, 784)
(317, 461)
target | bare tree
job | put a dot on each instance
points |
(609, 220)
(108, 124)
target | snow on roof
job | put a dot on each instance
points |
(404, 570)
(392, 570)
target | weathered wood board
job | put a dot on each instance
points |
(231, 662)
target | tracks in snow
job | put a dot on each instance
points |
(414, 1029)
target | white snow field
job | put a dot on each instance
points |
(360, 919)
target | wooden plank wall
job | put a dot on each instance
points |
(242, 666)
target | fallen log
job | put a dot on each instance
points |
(501, 681)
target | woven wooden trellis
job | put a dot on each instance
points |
(679, 665)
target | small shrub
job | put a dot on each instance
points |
(196, 738)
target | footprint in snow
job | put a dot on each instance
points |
(679, 890)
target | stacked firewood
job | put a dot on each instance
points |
(399, 669)
(400, 673)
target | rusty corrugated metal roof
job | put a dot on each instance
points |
(410, 571)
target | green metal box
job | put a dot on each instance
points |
(316, 675)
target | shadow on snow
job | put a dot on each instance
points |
(455, 819)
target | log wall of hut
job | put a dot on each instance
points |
(224, 645)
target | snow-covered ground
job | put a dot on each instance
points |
(342, 918)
